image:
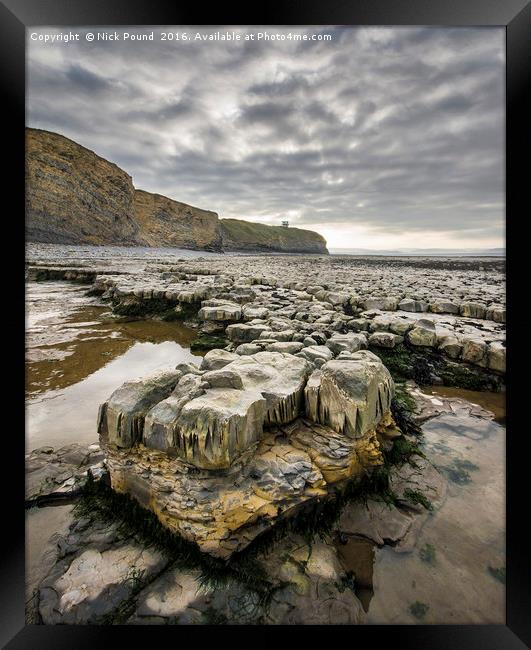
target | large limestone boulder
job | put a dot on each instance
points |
(496, 313)
(385, 339)
(245, 332)
(252, 312)
(215, 359)
(384, 304)
(212, 418)
(444, 307)
(317, 354)
(496, 356)
(350, 395)
(350, 342)
(409, 304)
(227, 453)
(121, 418)
(423, 334)
(223, 313)
(474, 350)
(472, 310)
(291, 347)
(451, 346)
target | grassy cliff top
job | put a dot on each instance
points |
(246, 234)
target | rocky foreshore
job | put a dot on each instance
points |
(315, 308)
(291, 414)
(96, 570)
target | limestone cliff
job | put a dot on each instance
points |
(239, 235)
(73, 196)
(164, 222)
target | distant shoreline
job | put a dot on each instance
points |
(458, 253)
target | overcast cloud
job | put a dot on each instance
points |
(383, 137)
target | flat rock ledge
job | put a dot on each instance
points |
(220, 452)
(58, 474)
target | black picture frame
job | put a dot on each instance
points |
(515, 15)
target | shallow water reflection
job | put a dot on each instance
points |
(76, 359)
(456, 572)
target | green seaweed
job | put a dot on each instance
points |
(402, 452)
(414, 496)
(163, 308)
(404, 398)
(419, 609)
(206, 342)
(426, 366)
(498, 573)
(427, 554)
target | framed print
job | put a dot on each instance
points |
(267, 355)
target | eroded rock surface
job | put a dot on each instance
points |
(227, 452)
(60, 472)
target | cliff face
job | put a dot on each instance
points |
(238, 235)
(73, 196)
(176, 224)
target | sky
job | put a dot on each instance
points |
(377, 138)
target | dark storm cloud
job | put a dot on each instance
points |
(80, 78)
(398, 130)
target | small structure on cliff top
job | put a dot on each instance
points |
(221, 451)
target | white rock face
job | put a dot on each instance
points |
(121, 418)
(385, 339)
(350, 395)
(210, 419)
(350, 342)
(226, 312)
(423, 334)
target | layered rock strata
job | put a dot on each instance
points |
(74, 196)
(165, 222)
(227, 452)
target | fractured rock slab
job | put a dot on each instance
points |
(350, 395)
(210, 418)
(121, 418)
